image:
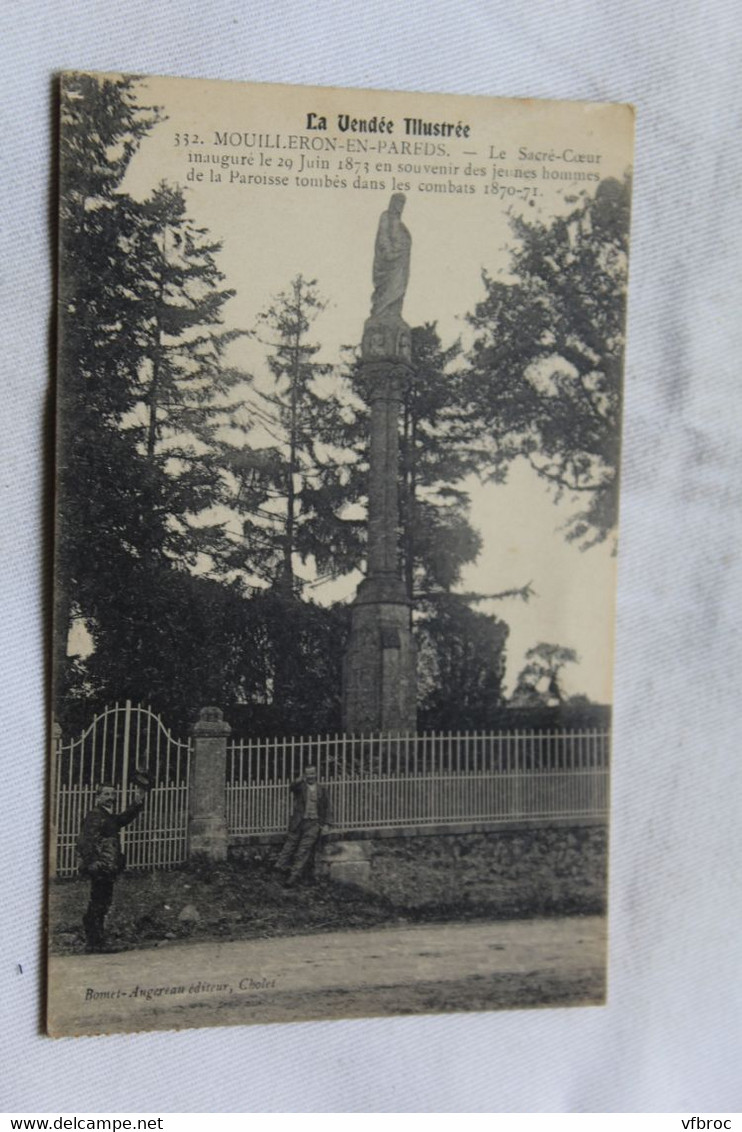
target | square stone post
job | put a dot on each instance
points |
(207, 810)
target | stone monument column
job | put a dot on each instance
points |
(379, 680)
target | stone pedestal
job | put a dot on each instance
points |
(379, 692)
(207, 814)
(347, 862)
(379, 680)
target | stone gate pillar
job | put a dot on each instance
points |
(207, 809)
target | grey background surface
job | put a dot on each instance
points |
(670, 1038)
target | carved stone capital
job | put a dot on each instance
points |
(386, 339)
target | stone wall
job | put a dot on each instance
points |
(512, 872)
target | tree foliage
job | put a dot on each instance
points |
(461, 665)
(295, 652)
(538, 682)
(294, 481)
(547, 361)
(437, 452)
(271, 662)
(140, 374)
(185, 385)
(102, 126)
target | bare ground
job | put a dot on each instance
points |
(423, 969)
(244, 900)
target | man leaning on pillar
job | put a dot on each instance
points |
(310, 816)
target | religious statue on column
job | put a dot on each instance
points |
(391, 261)
(386, 334)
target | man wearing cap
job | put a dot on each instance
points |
(101, 857)
(310, 816)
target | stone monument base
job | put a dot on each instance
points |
(379, 669)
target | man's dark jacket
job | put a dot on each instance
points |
(98, 845)
(299, 791)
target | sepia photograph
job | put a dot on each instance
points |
(338, 437)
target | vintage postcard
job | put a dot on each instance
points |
(339, 408)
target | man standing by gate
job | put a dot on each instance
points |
(310, 816)
(101, 857)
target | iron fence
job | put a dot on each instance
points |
(375, 782)
(383, 781)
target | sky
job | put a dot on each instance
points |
(322, 222)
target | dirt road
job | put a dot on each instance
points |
(422, 969)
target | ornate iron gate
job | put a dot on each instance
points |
(120, 739)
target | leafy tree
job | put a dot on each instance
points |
(461, 665)
(538, 682)
(179, 642)
(271, 662)
(547, 360)
(293, 687)
(437, 451)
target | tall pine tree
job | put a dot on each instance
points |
(296, 477)
(186, 387)
(143, 392)
(100, 468)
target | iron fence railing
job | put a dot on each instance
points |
(375, 782)
(383, 781)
